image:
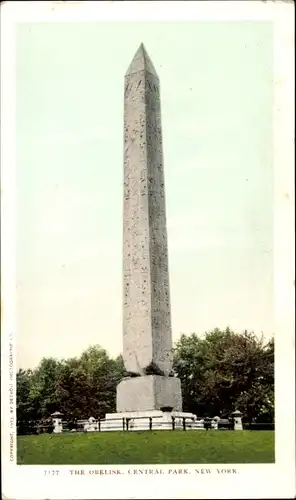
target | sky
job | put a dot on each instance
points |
(216, 81)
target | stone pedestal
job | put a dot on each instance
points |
(237, 417)
(215, 422)
(57, 426)
(91, 425)
(149, 420)
(57, 422)
(149, 393)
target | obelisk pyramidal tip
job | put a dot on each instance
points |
(141, 62)
(147, 337)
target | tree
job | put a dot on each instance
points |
(220, 372)
(36, 390)
(43, 386)
(223, 371)
(24, 403)
(87, 385)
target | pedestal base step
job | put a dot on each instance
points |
(150, 420)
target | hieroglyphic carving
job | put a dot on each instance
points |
(146, 314)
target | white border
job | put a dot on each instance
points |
(251, 481)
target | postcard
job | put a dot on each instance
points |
(147, 250)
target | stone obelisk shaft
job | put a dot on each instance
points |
(147, 340)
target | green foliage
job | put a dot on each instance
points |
(223, 371)
(220, 372)
(25, 401)
(150, 447)
(77, 387)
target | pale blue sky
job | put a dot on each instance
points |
(217, 95)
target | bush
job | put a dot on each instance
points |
(260, 426)
(26, 428)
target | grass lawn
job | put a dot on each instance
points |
(147, 447)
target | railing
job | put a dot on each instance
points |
(140, 423)
(225, 425)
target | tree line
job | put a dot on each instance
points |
(220, 372)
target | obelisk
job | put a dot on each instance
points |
(147, 336)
